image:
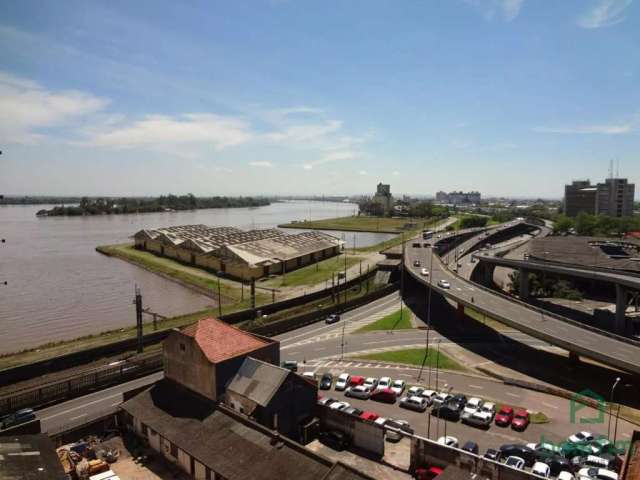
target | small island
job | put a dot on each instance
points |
(163, 203)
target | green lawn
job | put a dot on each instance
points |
(416, 356)
(390, 322)
(229, 289)
(360, 223)
(312, 274)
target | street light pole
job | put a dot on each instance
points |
(615, 384)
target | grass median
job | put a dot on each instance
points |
(393, 321)
(416, 356)
(313, 274)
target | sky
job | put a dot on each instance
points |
(508, 97)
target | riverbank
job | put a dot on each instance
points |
(362, 223)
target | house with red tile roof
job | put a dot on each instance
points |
(206, 355)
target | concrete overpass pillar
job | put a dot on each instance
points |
(524, 284)
(621, 309)
(487, 275)
(574, 357)
(460, 312)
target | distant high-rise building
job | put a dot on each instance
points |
(614, 197)
(458, 198)
(383, 197)
(580, 196)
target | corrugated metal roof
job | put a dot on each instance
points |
(258, 381)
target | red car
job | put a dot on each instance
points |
(356, 380)
(384, 395)
(504, 416)
(520, 420)
(427, 473)
(370, 416)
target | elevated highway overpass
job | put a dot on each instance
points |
(609, 349)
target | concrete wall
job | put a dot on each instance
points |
(184, 363)
(226, 370)
(363, 434)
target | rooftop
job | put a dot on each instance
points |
(228, 443)
(220, 341)
(29, 457)
(258, 381)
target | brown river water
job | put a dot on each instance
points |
(59, 287)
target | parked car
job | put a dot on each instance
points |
(544, 450)
(356, 380)
(342, 382)
(371, 382)
(460, 399)
(384, 382)
(290, 365)
(541, 469)
(471, 447)
(359, 391)
(449, 441)
(334, 439)
(447, 411)
(558, 464)
(515, 462)
(565, 475)
(478, 419)
(326, 381)
(398, 386)
(581, 437)
(415, 391)
(394, 428)
(604, 445)
(326, 401)
(310, 376)
(370, 416)
(570, 449)
(339, 405)
(593, 461)
(518, 450)
(473, 404)
(597, 474)
(429, 395)
(418, 404)
(21, 416)
(385, 395)
(356, 412)
(493, 454)
(424, 272)
(444, 284)
(520, 420)
(440, 398)
(427, 473)
(490, 408)
(332, 318)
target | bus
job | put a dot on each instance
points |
(427, 234)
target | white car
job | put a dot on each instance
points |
(429, 394)
(398, 386)
(339, 405)
(424, 272)
(415, 391)
(449, 441)
(542, 469)
(343, 381)
(477, 419)
(380, 421)
(441, 398)
(473, 405)
(515, 462)
(490, 408)
(444, 284)
(597, 474)
(385, 382)
(359, 391)
(581, 437)
(564, 475)
(419, 404)
(309, 375)
(371, 382)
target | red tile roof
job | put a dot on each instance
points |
(220, 341)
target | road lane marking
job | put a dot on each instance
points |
(405, 375)
(512, 395)
(79, 416)
(549, 405)
(476, 386)
(115, 404)
(119, 394)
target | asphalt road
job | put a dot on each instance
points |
(563, 334)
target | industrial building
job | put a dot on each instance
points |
(240, 254)
(458, 198)
(614, 197)
(383, 197)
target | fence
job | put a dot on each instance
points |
(80, 385)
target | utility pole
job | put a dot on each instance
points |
(219, 300)
(401, 275)
(253, 293)
(342, 343)
(138, 303)
(360, 276)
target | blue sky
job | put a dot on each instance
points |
(509, 97)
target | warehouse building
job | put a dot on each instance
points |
(240, 254)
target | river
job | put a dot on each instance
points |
(59, 287)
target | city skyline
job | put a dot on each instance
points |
(508, 97)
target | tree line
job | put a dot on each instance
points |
(596, 225)
(115, 206)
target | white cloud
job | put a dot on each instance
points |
(362, 172)
(222, 170)
(261, 164)
(162, 130)
(303, 133)
(299, 110)
(26, 108)
(308, 166)
(604, 13)
(395, 173)
(614, 129)
(508, 10)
